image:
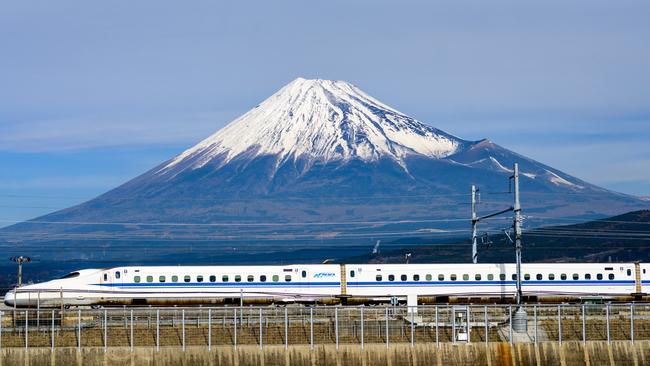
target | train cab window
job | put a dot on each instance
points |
(563, 276)
(441, 277)
(514, 276)
(237, 278)
(391, 277)
(250, 278)
(351, 273)
(263, 278)
(199, 278)
(539, 277)
(213, 278)
(477, 277)
(452, 277)
(599, 276)
(161, 279)
(576, 276)
(276, 278)
(287, 278)
(136, 279)
(117, 274)
(174, 278)
(502, 276)
(403, 277)
(428, 277)
(629, 272)
(75, 274)
(187, 278)
(378, 278)
(416, 277)
(587, 276)
(490, 277)
(551, 276)
(611, 276)
(224, 278)
(304, 274)
(526, 276)
(105, 276)
(465, 277)
(149, 278)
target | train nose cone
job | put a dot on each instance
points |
(9, 298)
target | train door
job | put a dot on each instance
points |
(304, 280)
(118, 277)
(105, 278)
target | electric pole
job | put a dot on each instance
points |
(520, 319)
(20, 260)
(474, 226)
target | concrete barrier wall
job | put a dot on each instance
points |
(568, 354)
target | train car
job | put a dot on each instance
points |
(333, 283)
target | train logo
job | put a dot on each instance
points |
(324, 275)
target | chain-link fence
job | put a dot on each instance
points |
(311, 326)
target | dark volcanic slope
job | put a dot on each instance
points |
(622, 238)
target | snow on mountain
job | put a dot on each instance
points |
(320, 120)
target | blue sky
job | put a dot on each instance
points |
(94, 93)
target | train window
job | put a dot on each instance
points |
(587, 276)
(611, 276)
(629, 272)
(149, 278)
(539, 277)
(378, 278)
(237, 278)
(551, 276)
(490, 277)
(276, 278)
(477, 277)
(117, 274)
(250, 278)
(391, 277)
(563, 276)
(441, 277)
(452, 277)
(187, 278)
(403, 277)
(465, 277)
(224, 278)
(644, 271)
(174, 278)
(502, 276)
(416, 277)
(351, 274)
(213, 278)
(576, 276)
(199, 278)
(136, 279)
(428, 277)
(262, 278)
(599, 276)
(105, 276)
(304, 274)
(514, 276)
(287, 278)
(161, 279)
(526, 276)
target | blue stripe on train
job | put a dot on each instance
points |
(228, 284)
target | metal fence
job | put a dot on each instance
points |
(299, 325)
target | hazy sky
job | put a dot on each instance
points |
(94, 93)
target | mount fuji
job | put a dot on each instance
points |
(322, 159)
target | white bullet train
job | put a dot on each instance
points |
(334, 283)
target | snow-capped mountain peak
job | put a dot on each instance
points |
(320, 120)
